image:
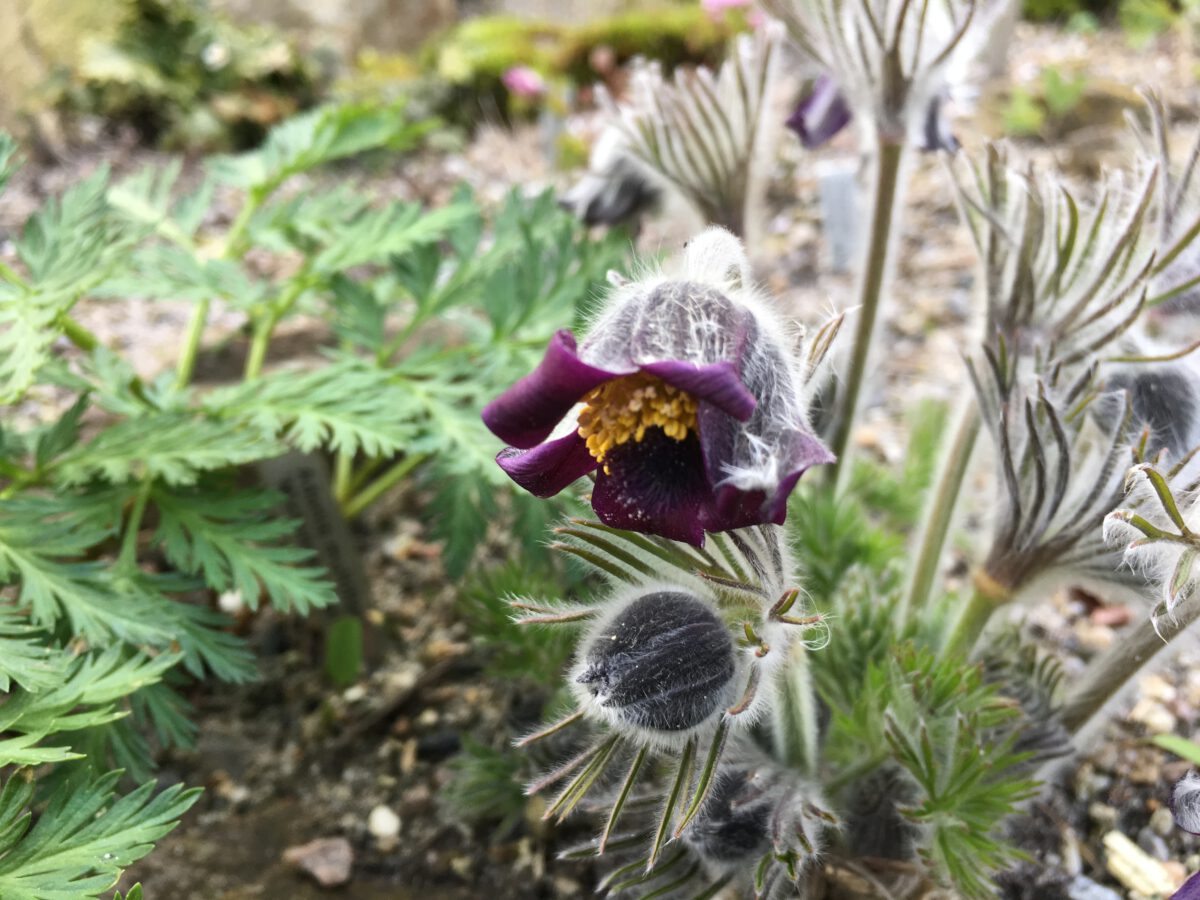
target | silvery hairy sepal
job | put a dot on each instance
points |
(688, 397)
(887, 60)
(1064, 282)
(616, 188)
(1176, 284)
(1158, 527)
(1059, 474)
(705, 136)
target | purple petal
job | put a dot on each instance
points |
(820, 115)
(547, 469)
(527, 412)
(655, 486)
(715, 383)
(1190, 889)
(733, 507)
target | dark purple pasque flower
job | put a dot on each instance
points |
(820, 115)
(825, 112)
(694, 412)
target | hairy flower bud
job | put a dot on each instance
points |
(734, 824)
(1164, 399)
(664, 663)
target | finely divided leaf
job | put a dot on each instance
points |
(83, 839)
(347, 406)
(238, 542)
(172, 446)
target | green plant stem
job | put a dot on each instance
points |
(373, 491)
(876, 262)
(77, 334)
(985, 600)
(133, 525)
(1120, 664)
(264, 326)
(939, 511)
(258, 347)
(234, 240)
(186, 366)
(342, 468)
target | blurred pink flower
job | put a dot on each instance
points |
(716, 10)
(523, 81)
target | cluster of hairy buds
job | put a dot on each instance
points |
(676, 664)
(703, 135)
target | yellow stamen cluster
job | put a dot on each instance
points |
(622, 409)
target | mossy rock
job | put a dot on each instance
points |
(473, 56)
(680, 35)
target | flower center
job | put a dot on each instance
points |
(622, 409)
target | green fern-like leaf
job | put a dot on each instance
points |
(83, 839)
(42, 543)
(25, 657)
(236, 542)
(86, 698)
(347, 406)
(171, 446)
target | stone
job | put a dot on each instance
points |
(384, 826)
(1162, 822)
(1083, 888)
(326, 860)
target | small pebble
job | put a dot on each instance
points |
(1103, 815)
(384, 826)
(1083, 888)
(326, 860)
(1162, 822)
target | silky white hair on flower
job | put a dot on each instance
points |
(1168, 562)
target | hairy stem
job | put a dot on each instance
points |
(795, 730)
(1128, 656)
(871, 284)
(939, 511)
(264, 326)
(988, 596)
(373, 491)
(258, 346)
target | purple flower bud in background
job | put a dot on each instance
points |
(820, 115)
(825, 112)
(1185, 803)
(694, 411)
(665, 663)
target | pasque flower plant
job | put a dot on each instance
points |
(735, 733)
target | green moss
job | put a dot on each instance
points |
(473, 56)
